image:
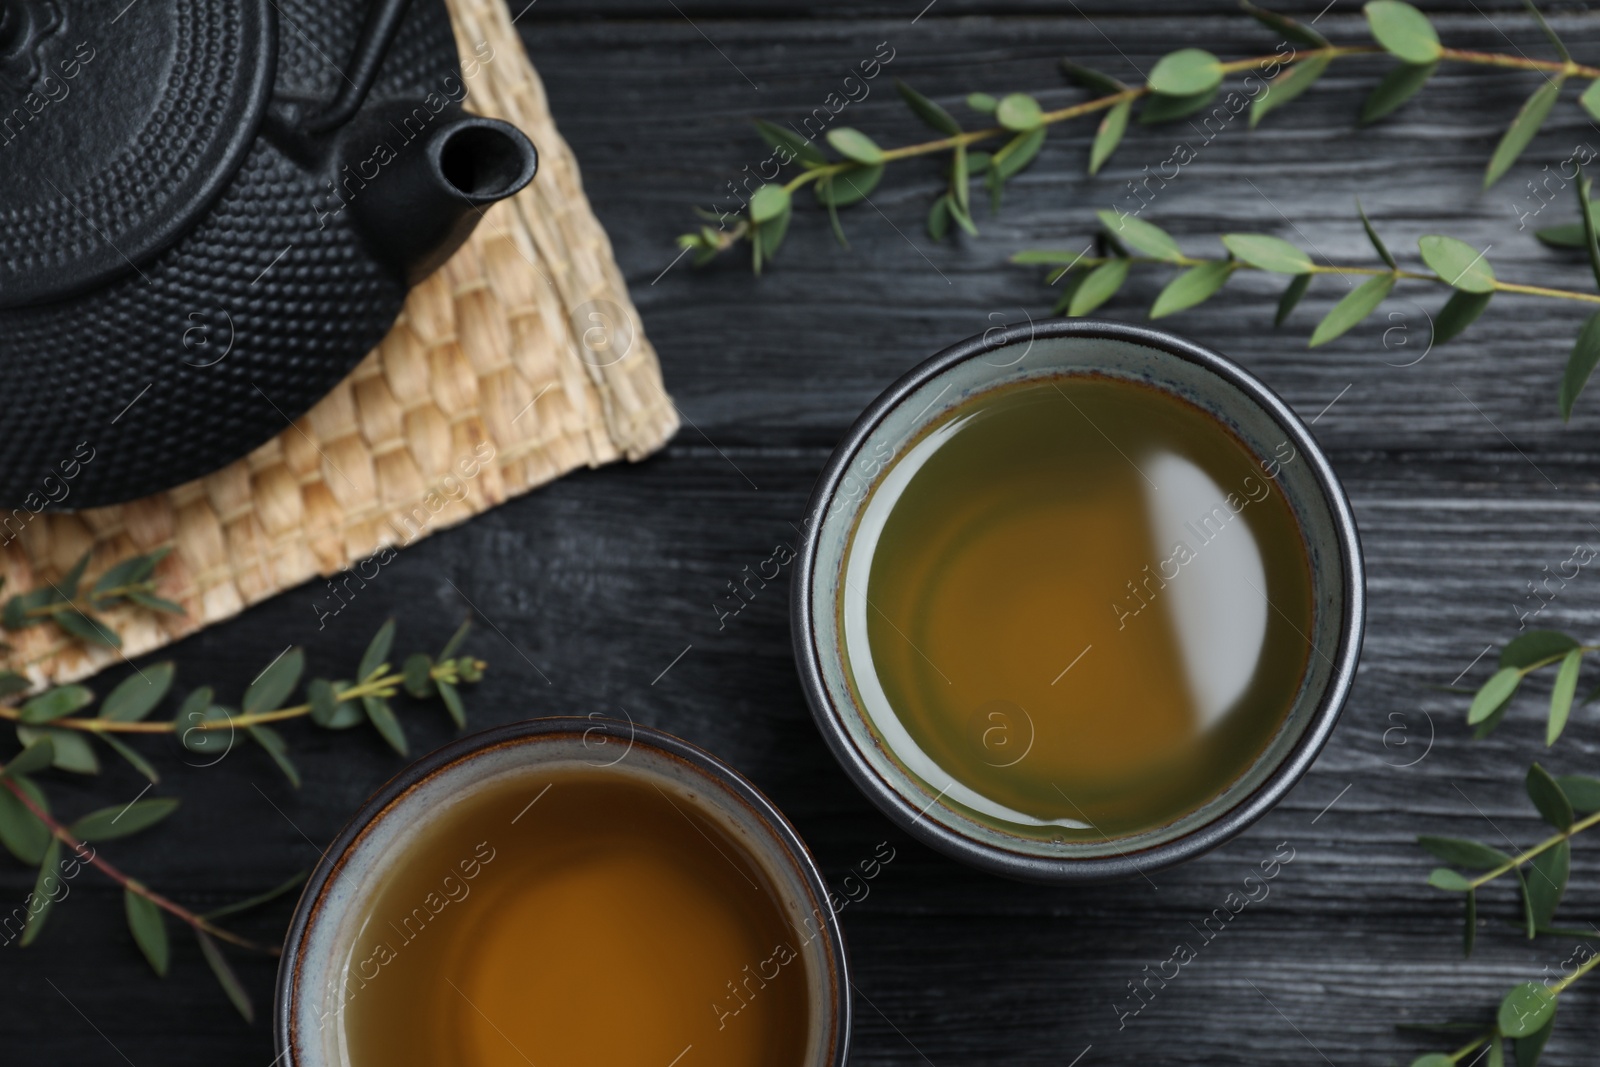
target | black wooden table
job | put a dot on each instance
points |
(1465, 482)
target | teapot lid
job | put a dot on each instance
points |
(120, 122)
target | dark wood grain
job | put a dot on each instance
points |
(1464, 480)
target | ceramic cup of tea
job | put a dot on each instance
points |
(1077, 600)
(565, 890)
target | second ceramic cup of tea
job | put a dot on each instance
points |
(1077, 600)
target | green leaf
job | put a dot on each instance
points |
(1528, 1049)
(1547, 882)
(1146, 237)
(1451, 881)
(959, 186)
(33, 759)
(768, 202)
(1291, 296)
(44, 890)
(982, 102)
(1286, 86)
(56, 703)
(1527, 905)
(852, 144)
(1091, 79)
(259, 899)
(848, 187)
(382, 718)
(129, 571)
(138, 694)
(1112, 126)
(1495, 692)
(1553, 805)
(1492, 723)
(138, 762)
(1582, 791)
(939, 218)
(278, 749)
(452, 704)
(196, 711)
(769, 235)
(417, 675)
(272, 686)
(1186, 72)
(1403, 31)
(1463, 852)
(1163, 107)
(1458, 263)
(1377, 242)
(68, 585)
(1580, 364)
(1015, 154)
(1397, 86)
(72, 751)
(1497, 1052)
(1561, 694)
(1591, 99)
(1525, 1009)
(108, 824)
(1434, 1059)
(1536, 646)
(1555, 41)
(452, 646)
(1459, 312)
(87, 628)
(1101, 285)
(1522, 128)
(1564, 235)
(156, 603)
(1297, 32)
(804, 151)
(928, 111)
(1019, 112)
(1356, 306)
(148, 929)
(1193, 286)
(328, 711)
(1267, 253)
(377, 653)
(23, 835)
(12, 683)
(225, 977)
(1591, 231)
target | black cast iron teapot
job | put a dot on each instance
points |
(210, 210)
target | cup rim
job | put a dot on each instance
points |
(1068, 870)
(464, 749)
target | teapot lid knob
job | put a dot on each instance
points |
(119, 125)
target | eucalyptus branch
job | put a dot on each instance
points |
(75, 609)
(1182, 83)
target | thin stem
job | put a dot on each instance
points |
(1588, 965)
(1473, 1045)
(1516, 861)
(1496, 59)
(178, 911)
(1072, 259)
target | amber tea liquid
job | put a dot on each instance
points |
(1077, 607)
(607, 922)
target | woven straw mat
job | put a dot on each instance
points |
(492, 381)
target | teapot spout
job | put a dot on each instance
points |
(417, 215)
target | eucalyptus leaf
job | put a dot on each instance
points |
(1534, 111)
(1403, 31)
(1463, 852)
(377, 653)
(1164, 107)
(68, 585)
(137, 695)
(1536, 646)
(1101, 285)
(1112, 126)
(1143, 236)
(854, 145)
(43, 897)
(1582, 791)
(258, 899)
(156, 603)
(1019, 112)
(769, 234)
(452, 704)
(1528, 1049)
(1292, 30)
(848, 187)
(1591, 99)
(982, 102)
(12, 683)
(1580, 365)
(1268, 253)
(129, 572)
(21, 831)
(1286, 86)
(1291, 297)
(1459, 312)
(225, 977)
(452, 646)
(768, 202)
(1446, 879)
(278, 749)
(1547, 882)
(383, 720)
(417, 674)
(136, 761)
(1458, 263)
(1016, 154)
(1500, 687)
(56, 703)
(31, 760)
(1193, 286)
(928, 111)
(1555, 41)
(1397, 86)
(1186, 72)
(328, 711)
(1553, 805)
(1525, 1009)
(1377, 242)
(1561, 694)
(1355, 306)
(88, 628)
(149, 930)
(1469, 932)
(1091, 79)
(108, 824)
(803, 150)
(72, 750)
(272, 687)
(1591, 230)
